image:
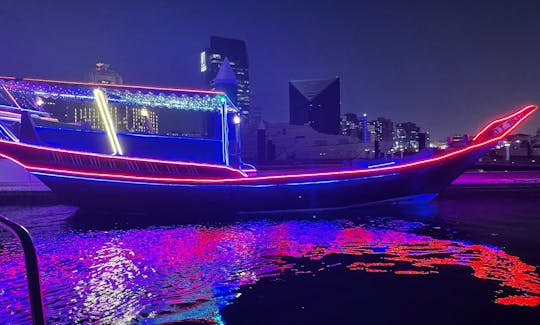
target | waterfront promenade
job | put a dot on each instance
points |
(498, 178)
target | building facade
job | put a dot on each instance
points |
(235, 51)
(316, 103)
(407, 137)
(382, 129)
(103, 74)
(301, 143)
(125, 118)
(350, 125)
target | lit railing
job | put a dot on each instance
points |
(32, 269)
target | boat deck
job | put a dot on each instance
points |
(294, 169)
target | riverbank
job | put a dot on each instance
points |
(495, 181)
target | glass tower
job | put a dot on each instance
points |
(235, 50)
(315, 103)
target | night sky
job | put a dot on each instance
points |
(449, 66)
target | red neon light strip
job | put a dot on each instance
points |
(500, 120)
(103, 175)
(180, 163)
(273, 177)
(124, 86)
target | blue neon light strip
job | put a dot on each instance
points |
(382, 165)
(8, 133)
(27, 91)
(213, 185)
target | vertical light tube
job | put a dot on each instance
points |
(101, 102)
(238, 142)
(224, 131)
(111, 124)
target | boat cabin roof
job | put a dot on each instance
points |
(30, 93)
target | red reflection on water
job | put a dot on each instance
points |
(191, 272)
(424, 254)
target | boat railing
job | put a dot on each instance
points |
(19, 109)
(32, 268)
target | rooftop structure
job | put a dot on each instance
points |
(315, 103)
(103, 74)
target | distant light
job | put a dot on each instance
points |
(222, 99)
(144, 112)
(39, 101)
(364, 115)
(236, 119)
(203, 62)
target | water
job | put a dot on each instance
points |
(467, 257)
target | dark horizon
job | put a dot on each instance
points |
(449, 67)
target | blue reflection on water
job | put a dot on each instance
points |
(175, 273)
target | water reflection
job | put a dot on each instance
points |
(187, 273)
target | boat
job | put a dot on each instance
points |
(107, 169)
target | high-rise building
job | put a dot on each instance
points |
(382, 129)
(103, 74)
(315, 103)
(363, 129)
(407, 136)
(236, 52)
(350, 125)
(125, 118)
(423, 140)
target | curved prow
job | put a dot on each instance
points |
(498, 129)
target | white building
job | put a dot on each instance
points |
(303, 143)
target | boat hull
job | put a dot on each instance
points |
(127, 196)
(111, 183)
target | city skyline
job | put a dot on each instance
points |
(448, 67)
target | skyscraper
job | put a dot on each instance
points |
(235, 51)
(350, 125)
(103, 74)
(407, 136)
(315, 103)
(382, 129)
(125, 118)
